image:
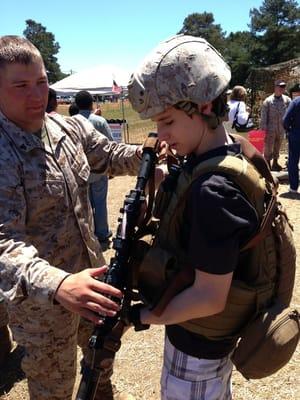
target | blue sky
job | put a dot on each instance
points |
(121, 32)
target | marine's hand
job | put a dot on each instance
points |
(83, 294)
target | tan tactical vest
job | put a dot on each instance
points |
(163, 272)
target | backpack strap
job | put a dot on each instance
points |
(235, 118)
(261, 165)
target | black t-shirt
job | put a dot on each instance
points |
(219, 220)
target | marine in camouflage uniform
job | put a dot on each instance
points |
(48, 234)
(272, 112)
(47, 228)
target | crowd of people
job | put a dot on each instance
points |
(53, 197)
(279, 119)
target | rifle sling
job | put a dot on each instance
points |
(111, 344)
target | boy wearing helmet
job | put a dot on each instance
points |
(182, 86)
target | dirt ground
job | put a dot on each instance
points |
(138, 363)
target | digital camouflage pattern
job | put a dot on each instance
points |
(46, 234)
(272, 112)
(182, 68)
(47, 222)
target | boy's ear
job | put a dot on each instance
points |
(205, 108)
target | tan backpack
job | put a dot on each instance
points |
(271, 337)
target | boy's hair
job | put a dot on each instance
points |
(84, 100)
(238, 93)
(16, 49)
(219, 110)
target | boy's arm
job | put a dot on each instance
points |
(207, 296)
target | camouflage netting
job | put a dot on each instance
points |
(261, 82)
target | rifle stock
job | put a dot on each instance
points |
(105, 339)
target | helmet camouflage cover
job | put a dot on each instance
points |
(182, 68)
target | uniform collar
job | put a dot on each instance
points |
(85, 113)
(26, 141)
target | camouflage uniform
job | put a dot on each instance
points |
(46, 234)
(272, 112)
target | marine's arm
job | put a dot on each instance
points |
(105, 156)
(264, 116)
(23, 274)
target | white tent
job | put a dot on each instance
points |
(96, 80)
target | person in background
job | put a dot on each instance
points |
(98, 183)
(52, 102)
(291, 123)
(49, 256)
(73, 109)
(98, 111)
(237, 105)
(272, 112)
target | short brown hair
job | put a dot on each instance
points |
(238, 93)
(16, 49)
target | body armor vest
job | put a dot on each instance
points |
(163, 272)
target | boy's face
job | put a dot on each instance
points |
(24, 94)
(182, 132)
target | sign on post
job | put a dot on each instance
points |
(118, 126)
(116, 131)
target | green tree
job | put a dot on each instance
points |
(275, 26)
(202, 25)
(238, 50)
(48, 47)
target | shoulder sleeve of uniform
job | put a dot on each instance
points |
(104, 156)
(80, 128)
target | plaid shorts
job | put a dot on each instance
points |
(190, 378)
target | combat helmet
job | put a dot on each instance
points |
(180, 69)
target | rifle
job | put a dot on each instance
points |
(105, 339)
